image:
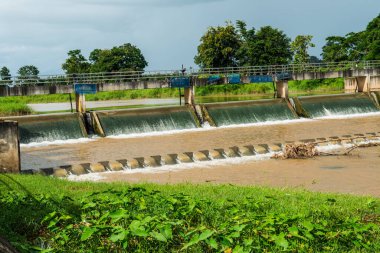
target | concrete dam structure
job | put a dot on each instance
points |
(67, 126)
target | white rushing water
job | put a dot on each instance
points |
(206, 127)
(58, 142)
(213, 163)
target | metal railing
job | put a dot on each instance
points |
(165, 75)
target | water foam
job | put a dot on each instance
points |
(347, 116)
(208, 128)
(177, 167)
(58, 142)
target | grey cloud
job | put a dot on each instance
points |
(41, 32)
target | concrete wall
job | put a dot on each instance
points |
(362, 84)
(350, 85)
(9, 147)
(375, 83)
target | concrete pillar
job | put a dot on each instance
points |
(282, 89)
(80, 103)
(350, 85)
(189, 95)
(9, 147)
(362, 83)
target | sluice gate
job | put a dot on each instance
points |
(41, 128)
(146, 120)
(224, 114)
(333, 105)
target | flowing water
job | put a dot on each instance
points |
(141, 122)
(35, 130)
(124, 147)
(320, 106)
(244, 113)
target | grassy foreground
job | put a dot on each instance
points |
(53, 215)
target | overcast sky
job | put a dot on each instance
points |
(41, 32)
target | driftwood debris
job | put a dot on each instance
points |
(297, 151)
(307, 150)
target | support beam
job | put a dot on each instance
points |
(362, 83)
(282, 89)
(189, 95)
(80, 103)
(9, 147)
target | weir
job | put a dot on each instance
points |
(146, 120)
(40, 128)
(334, 105)
(246, 112)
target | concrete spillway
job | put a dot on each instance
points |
(41, 128)
(50, 127)
(334, 105)
(146, 120)
(249, 112)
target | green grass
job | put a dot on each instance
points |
(11, 109)
(97, 217)
(318, 84)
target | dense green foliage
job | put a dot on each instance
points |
(300, 47)
(121, 58)
(270, 46)
(76, 63)
(218, 47)
(231, 46)
(317, 85)
(28, 71)
(63, 216)
(363, 45)
(5, 73)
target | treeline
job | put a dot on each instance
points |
(121, 58)
(235, 45)
(229, 46)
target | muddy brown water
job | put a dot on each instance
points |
(358, 173)
(143, 146)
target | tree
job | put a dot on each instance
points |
(372, 37)
(300, 47)
(270, 47)
(28, 71)
(122, 58)
(335, 50)
(5, 73)
(245, 52)
(28, 74)
(314, 59)
(76, 63)
(218, 47)
(364, 45)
